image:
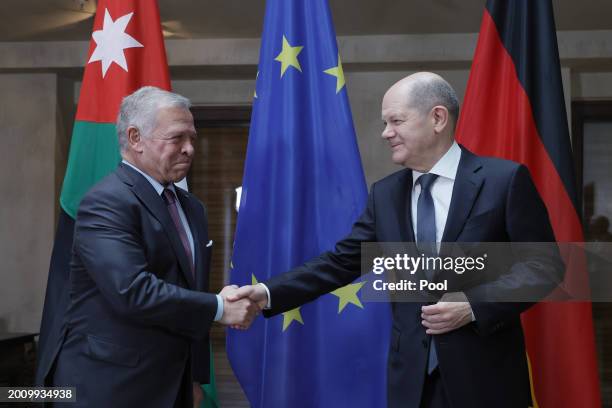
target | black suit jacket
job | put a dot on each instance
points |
(138, 322)
(482, 364)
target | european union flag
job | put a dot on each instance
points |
(303, 188)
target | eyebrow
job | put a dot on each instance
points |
(392, 115)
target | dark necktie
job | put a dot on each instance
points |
(426, 216)
(170, 200)
(426, 241)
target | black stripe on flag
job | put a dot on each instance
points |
(527, 30)
(57, 297)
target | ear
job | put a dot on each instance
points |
(134, 139)
(440, 118)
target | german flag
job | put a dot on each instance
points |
(514, 109)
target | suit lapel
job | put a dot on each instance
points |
(468, 183)
(156, 206)
(401, 197)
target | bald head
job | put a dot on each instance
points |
(419, 113)
(424, 90)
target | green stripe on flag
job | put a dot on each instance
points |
(94, 153)
(211, 400)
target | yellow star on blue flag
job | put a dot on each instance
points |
(288, 57)
(348, 294)
(338, 72)
(291, 316)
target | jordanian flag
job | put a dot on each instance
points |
(514, 109)
(126, 52)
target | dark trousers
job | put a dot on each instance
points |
(434, 394)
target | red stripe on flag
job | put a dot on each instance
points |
(100, 96)
(497, 120)
(560, 343)
(510, 129)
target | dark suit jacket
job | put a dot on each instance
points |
(138, 322)
(482, 364)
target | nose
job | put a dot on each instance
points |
(188, 148)
(387, 132)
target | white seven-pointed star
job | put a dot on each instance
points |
(111, 40)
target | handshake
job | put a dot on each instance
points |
(241, 305)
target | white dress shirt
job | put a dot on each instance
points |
(441, 189)
(159, 189)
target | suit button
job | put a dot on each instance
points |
(425, 343)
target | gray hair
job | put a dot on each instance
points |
(140, 110)
(432, 90)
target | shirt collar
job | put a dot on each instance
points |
(159, 188)
(445, 167)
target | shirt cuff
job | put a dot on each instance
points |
(269, 304)
(219, 313)
(473, 317)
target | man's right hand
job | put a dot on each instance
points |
(239, 312)
(256, 293)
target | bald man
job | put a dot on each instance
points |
(465, 353)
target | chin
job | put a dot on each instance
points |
(398, 159)
(179, 178)
(176, 177)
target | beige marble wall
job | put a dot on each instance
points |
(27, 166)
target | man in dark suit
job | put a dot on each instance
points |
(462, 353)
(138, 322)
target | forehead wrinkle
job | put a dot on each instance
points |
(393, 111)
